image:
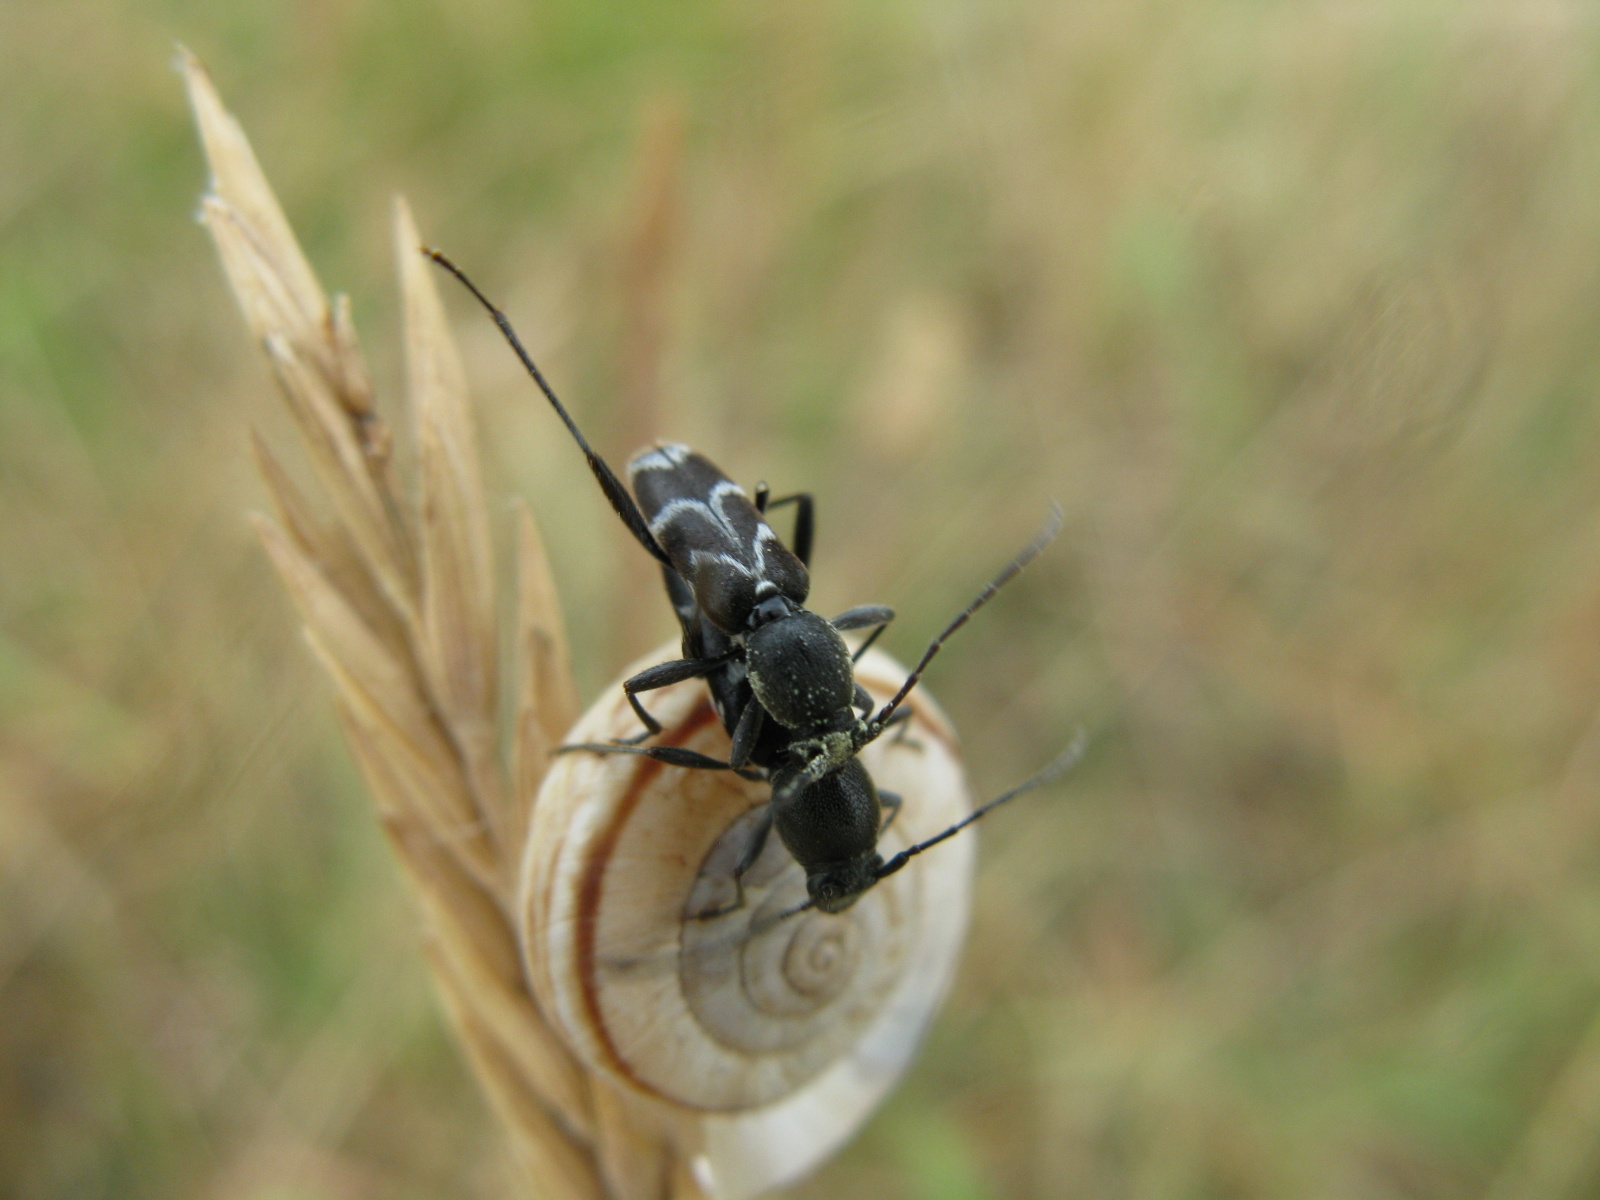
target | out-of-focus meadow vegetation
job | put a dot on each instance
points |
(1295, 307)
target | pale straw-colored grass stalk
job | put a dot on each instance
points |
(398, 596)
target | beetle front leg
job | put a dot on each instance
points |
(862, 701)
(747, 859)
(746, 732)
(865, 616)
(892, 802)
(902, 717)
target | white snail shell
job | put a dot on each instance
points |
(772, 1046)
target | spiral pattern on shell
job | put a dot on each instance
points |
(779, 1036)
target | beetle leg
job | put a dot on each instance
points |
(748, 730)
(659, 676)
(863, 615)
(804, 522)
(902, 717)
(673, 756)
(860, 617)
(753, 849)
(867, 645)
(747, 859)
(892, 802)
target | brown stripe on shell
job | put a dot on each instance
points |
(593, 879)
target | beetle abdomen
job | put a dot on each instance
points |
(718, 542)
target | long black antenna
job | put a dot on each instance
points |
(1052, 526)
(1064, 761)
(621, 502)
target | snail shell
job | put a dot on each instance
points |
(770, 1040)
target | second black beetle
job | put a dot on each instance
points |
(780, 675)
(714, 542)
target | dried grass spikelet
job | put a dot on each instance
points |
(574, 978)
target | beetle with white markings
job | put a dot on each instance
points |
(781, 676)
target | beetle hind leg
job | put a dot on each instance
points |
(659, 676)
(747, 859)
(673, 756)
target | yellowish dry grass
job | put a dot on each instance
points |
(398, 601)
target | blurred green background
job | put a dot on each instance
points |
(1295, 307)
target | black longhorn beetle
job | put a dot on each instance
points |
(781, 676)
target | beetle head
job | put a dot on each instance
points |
(835, 887)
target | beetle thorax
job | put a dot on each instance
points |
(800, 670)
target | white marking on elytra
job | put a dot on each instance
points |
(669, 511)
(696, 557)
(662, 458)
(721, 492)
(764, 535)
(728, 549)
(715, 513)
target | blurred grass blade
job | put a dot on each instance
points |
(457, 626)
(381, 696)
(561, 1169)
(311, 347)
(547, 700)
(274, 284)
(326, 544)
